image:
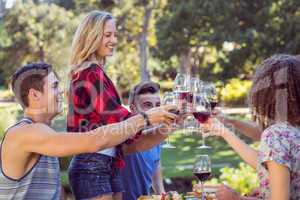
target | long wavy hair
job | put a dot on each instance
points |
(275, 93)
(87, 40)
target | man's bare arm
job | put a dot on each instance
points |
(40, 138)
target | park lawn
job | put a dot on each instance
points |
(179, 162)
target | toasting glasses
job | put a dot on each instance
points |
(202, 170)
(201, 111)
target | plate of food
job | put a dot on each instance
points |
(193, 196)
(176, 196)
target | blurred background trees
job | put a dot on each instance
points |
(215, 40)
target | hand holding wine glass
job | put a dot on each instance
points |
(213, 127)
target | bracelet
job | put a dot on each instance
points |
(146, 118)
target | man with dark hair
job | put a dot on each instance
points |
(143, 169)
(29, 149)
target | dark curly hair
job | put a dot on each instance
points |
(275, 93)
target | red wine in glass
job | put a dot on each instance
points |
(202, 117)
(183, 95)
(203, 176)
(213, 104)
(190, 97)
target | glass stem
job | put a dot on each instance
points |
(203, 141)
(202, 193)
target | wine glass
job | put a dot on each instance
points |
(201, 112)
(195, 88)
(190, 124)
(182, 83)
(169, 98)
(211, 94)
(202, 170)
(182, 90)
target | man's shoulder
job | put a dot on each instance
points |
(24, 128)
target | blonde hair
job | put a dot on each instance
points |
(87, 39)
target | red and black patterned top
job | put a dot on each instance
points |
(93, 101)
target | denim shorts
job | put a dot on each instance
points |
(94, 174)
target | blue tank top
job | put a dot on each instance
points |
(41, 182)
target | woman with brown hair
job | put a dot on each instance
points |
(275, 103)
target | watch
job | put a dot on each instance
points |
(146, 119)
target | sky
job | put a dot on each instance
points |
(10, 3)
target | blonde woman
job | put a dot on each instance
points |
(94, 102)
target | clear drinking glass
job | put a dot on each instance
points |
(169, 98)
(211, 94)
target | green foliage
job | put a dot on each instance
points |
(235, 92)
(238, 34)
(242, 179)
(64, 178)
(8, 116)
(6, 95)
(37, 32)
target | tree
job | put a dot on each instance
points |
(41, 34)
(136, 22)
(227, 38)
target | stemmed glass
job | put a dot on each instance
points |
(190, 123)
(211, 94)
(182, 89)
(182, 83)
(169, 98)
(195, 88)
(202, 112)
(202, 170)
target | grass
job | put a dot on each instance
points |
(178, 162)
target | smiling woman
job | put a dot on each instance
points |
(94, 102)
(94, 40)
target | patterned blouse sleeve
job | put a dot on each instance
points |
(275, 146)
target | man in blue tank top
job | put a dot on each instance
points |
(143, 169)
(29, 149)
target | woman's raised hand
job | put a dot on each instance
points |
(213, 127)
